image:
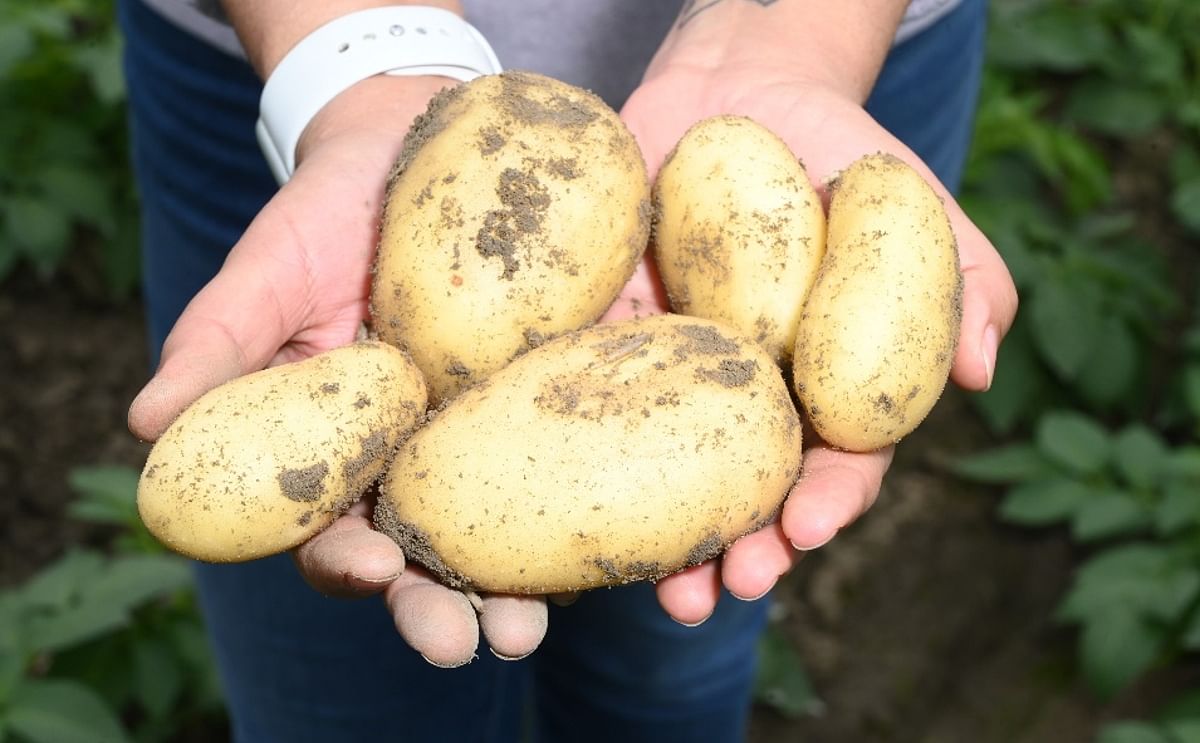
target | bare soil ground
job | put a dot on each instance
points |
(926, 621)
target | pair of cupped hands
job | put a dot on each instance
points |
(297, 283)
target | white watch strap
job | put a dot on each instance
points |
(395, 40)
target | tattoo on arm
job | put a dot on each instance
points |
(693, 8)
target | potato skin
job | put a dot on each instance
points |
(878, 334)
(518, 209)
(622, 452)
(263, 462)
(739, 230)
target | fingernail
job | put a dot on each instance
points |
(693, 624)
(447, 665)
(818, 545)
(988, 350)
(501, 656)
(759, 596)
(353, 578)
(563, 599)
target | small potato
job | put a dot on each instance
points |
(878, 333)
(263, 462)
(518, 209)
(739, 230)
(623, 452)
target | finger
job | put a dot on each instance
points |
(349, 558)
(989, 296)
(835, 488)
(564, 599)
(513, 625)
(753, 564)
(691, 595)
(989, 306)
(436, 621)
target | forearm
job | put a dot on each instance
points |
(840, 45)
(269, 28)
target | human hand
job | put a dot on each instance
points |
(827, 129)
(297, 284)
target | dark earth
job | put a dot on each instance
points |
(926, 621)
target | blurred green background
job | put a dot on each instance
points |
(1085, 173)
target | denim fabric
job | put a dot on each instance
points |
(299, 667)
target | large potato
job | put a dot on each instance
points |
(518, 209)
(739, 230)
(878, 333)
(263, 462)
(618, 453)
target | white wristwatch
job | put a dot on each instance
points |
(396, 40)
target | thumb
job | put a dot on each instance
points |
(988, 309)
(235, 325)
(209, 345)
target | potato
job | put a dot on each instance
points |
(263, 462)
(518, 209)
(739, 230)
(622, 452)
(877, 336)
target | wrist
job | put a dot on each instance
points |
(378, 110)
(839, 47)
(400, 41)
(268, 29)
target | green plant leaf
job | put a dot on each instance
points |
(1054, 37)
(16, 43)
(1179, 508)
(1143, 578)
(1185, 163)
(1109, 514)
(48, 19)
(100, 61)
(1187, 112)
(61, 711)
(40, 228)
(1079, 168)
(1115, 648)
(157, 676)
(782, 682)
(1125, 111)
(12, 667)
(109, 494)
(1112, 367)
(1140, 455)
(1185, 204)
(1158, 58)
(1067, 325)
(1186, 706)
(190, 642)
(1185, 463)
(1043, 502)
(1183, 731)
(1073, 440)
(1132, 731)
(71, 626)
(122, 258)
(1190, 639)
(1020, 383)
(8, 252)
(80, 192)
(131, 580)
(1011, 463)
(58, 583)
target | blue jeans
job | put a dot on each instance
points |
(299, 667)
